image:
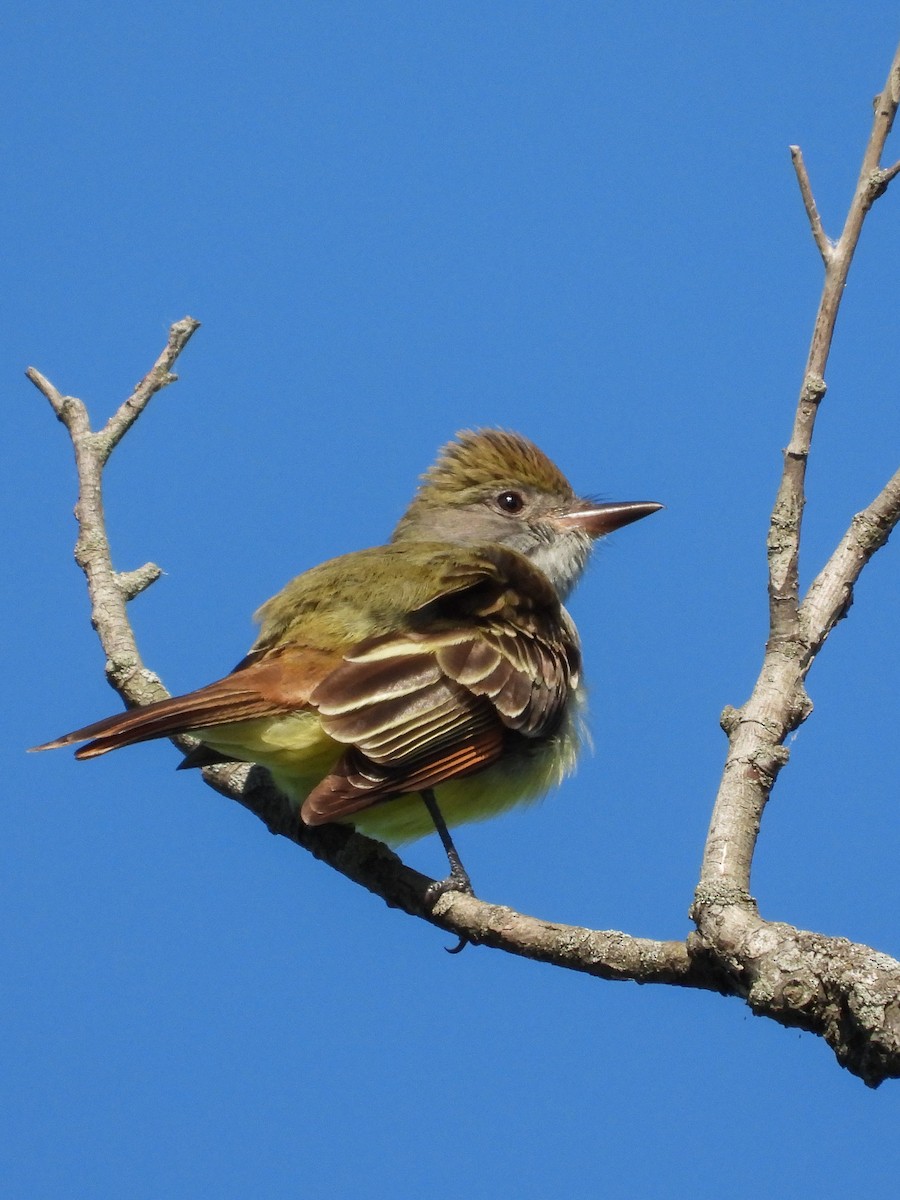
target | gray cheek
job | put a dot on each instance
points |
(465, 526)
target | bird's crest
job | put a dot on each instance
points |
(479, 458)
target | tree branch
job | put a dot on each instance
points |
(784, 531)
(607, 954)
(159, 376)
(830, 594)
(826, 249)
(728, 923)
(779, 703)
(109, 590)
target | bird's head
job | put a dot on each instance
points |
(490, 485)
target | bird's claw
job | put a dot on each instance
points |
(456, 881)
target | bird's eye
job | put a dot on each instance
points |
(510, 502)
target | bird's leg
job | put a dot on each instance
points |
(458, 880)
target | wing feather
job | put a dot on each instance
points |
(441, 698)
(355, 784)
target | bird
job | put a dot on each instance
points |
(420, 684)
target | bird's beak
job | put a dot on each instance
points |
(599, 519)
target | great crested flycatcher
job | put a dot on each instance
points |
(441, 667)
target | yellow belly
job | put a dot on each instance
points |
(294, 749)
(298, 755)
(520, 778)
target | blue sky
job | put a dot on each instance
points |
(397, 220)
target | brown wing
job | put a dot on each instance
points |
(442, 698)
(409, 725)
(278, 683)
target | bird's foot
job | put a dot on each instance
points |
(457, 881)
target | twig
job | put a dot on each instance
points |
(826, 248)
(831, 592)
(57, 400)
(109, 590)
(158, 377)
(784, 532)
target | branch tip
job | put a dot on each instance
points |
(824, 243)
(132, 583)
(159, 376)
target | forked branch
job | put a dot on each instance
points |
(727, 919)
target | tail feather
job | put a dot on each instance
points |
(213, 705)
(261, 686)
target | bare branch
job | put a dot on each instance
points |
(68, 409)
(839, 990)
(607, 954)
(56, 398)
(132, 583)
(784, 534)
(158, 377)
(843, 992)
(109, 590)
(728, 924)
(779, 703)
(831, 592)
(815, 221)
